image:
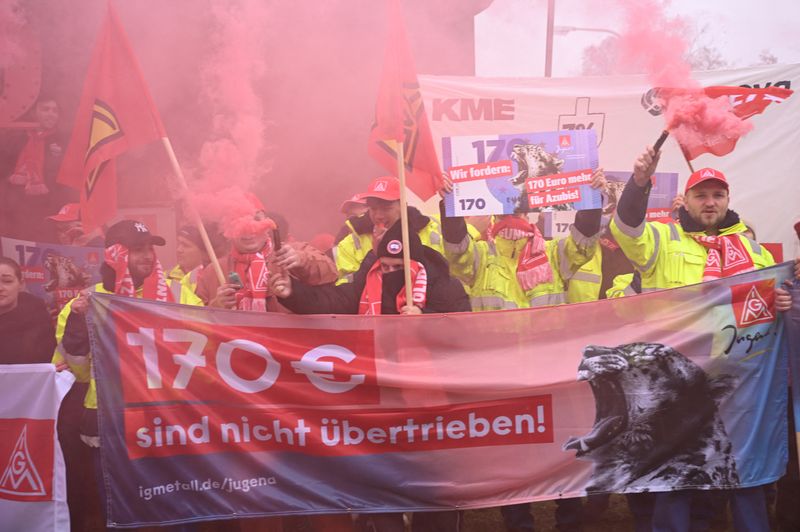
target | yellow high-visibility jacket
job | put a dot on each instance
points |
(669, 257)
(489, 270)
(176, 273)
(81, 366)
(584, 285)
(349, 253)
(621, 287)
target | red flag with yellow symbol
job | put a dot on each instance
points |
(116, 113)
(400, 115)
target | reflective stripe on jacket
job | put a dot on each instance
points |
(350, 252)
(584, 285)
(489, 271)
(668, 257)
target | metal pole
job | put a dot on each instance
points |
(548, 50)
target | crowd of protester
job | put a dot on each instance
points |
(495, 263)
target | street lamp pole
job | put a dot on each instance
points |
(562, 30)
(548, 49)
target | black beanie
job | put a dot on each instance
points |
(391, 244)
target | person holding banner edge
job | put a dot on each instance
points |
(378, 288)
(382, 199)
(535, 270)
(693, 250)
(130, 268)
(516, 268)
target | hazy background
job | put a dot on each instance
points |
(278, 96)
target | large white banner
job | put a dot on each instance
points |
(33, 490)
(764, 169)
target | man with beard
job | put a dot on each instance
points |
(130, 268)
(706, 243)
(378, 288)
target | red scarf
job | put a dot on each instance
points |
(533, 268)
(726, 256)
(373, 289)
(154, 286)
(254, 273)
(29, 170)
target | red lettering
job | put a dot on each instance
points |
(476, 109)
(458, 109)
(197, 429)
(445, 107)
(503, 109)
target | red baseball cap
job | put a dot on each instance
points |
(355, 200)
(71, 212)
(386, 188)
(255, 201)
(703, 175)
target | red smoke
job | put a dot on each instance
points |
(656, 43)
(314, 67)
(232, 158)
(695, 119)
(11, 21)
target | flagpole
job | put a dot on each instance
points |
(686, 158)
(401, 175)
(192, 211)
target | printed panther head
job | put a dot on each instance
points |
(644, 385)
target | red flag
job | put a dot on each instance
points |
(400, 115)
(708, 123)
(116, 113)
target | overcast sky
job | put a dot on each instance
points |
(510, 34)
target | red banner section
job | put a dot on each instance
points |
(567, 179)
(554, 197)
(187, 429)
(754, 303)
(26, 451)
(659, 215)
(183, 361)
(556, 189)
(211, 414)
(477, 172)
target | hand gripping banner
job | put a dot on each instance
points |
(209, 414)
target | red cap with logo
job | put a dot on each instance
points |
(71, 212)
(703, 175)
(355, 201)
(385, 188)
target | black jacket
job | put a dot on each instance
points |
(26, 333)
(444, 294)
(363, 224)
